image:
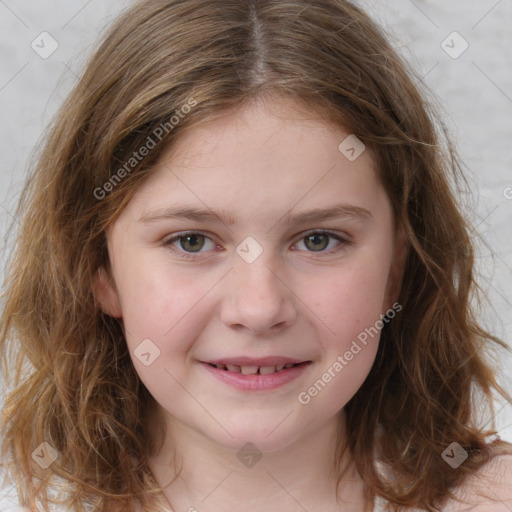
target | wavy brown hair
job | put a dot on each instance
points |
(72, 382)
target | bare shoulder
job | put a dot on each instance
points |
(488, 490)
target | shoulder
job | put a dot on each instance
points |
(8, 496)
(488, 490)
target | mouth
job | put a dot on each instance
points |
(257, 374)
(255, 369)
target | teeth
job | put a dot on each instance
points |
(249, 370)
(253, 370)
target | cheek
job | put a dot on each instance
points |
(347, 306)
(163, 315)
(349, 299)
(162, 303)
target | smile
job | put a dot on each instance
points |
(254, 370)
(256, 378)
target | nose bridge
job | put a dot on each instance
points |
(256, 281)
(256, 298)
(253, 265)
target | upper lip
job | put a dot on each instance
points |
(256, 361)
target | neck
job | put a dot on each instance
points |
(214, 478)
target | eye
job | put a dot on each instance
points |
(190, 242)
(319, 241)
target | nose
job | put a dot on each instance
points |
(257, 298)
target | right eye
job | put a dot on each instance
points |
(188, 243)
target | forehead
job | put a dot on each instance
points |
(265, 158)
(260, 128)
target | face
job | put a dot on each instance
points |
(255, 244)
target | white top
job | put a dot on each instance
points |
(495, 481)
(8, 495)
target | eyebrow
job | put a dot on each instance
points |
(341, 210)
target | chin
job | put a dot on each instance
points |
(265, 438)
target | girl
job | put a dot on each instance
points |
(243, 279)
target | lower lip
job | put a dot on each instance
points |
(257, 382)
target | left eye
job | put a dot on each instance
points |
(318, 241)
(189, 243)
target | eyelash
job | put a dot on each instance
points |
(192, 256)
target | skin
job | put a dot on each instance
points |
(264, 161)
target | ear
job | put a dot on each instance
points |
(106, 293)
(396, 273)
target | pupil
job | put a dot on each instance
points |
(319, 241)
(192, 241)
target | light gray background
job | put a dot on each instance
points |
(475, 91)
